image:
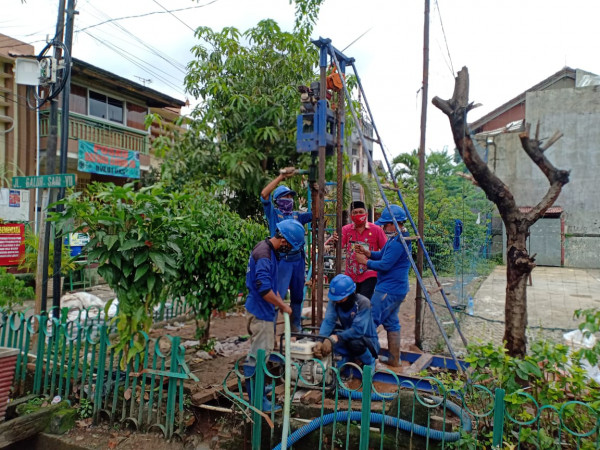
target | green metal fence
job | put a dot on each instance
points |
(403, 413)
(76, 360)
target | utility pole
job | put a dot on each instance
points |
(44, 243)
(64, 150)
(421, 214)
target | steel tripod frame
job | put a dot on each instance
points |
(326, 43)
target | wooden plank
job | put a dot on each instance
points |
(423, 362)
(434, 291)
(26, 426)
(416, 237)
(199, 398)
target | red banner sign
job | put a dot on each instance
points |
(12, 245)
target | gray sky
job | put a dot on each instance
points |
(508, 46)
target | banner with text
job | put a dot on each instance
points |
(12, 245)
(94, 158)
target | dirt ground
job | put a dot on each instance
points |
(230, 338)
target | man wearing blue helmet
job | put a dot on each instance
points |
(392, 266)
(263, 296)
(291, 266)
(349, 323)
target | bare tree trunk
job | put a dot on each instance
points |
(518, 267)
(519, 263)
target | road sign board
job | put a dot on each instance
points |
(44, 181)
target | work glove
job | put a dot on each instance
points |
(287, 172)
(322, 349)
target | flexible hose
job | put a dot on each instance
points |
(287, 382)
(405, 425)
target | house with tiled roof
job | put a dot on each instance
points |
(567, 101)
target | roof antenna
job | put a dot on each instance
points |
(143, 80)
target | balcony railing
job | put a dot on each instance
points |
(99, 132)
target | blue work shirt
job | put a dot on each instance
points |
(392, 266)
(274, 215)
(355, 323)
(261, 277)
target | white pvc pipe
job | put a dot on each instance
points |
(287, 382)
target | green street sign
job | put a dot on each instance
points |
(44, 181)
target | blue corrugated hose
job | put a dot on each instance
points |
(342, 416)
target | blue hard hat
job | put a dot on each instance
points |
(281, 191)
(341, 287)
(293, 232)
(399, 215)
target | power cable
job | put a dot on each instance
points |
(108, 43)
(171, 13)
(179, 66)
(445, 40)
(149, 14)
(355, 40)
(123, 53)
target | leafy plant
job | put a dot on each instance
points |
(133, 237)
(548, 380)
(85, 408)
(215, 245)
(29, 260)
(12, 291)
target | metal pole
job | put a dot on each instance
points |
(44, 243)
(321, 195)
(312, 179)
(421, 214)
(64, 144)
(339, 206)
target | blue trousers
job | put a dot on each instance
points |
(291, 275)
(385, 309)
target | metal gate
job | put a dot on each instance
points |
(545, 240)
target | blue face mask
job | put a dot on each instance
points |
(285, 205)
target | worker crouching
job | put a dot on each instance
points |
(349, 324)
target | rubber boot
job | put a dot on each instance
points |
(367, 359)
(266, 404)
(393, 338)
(296, 317)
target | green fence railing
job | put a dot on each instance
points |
(76, 360)
(398, 414)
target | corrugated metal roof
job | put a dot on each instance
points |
(551, 210)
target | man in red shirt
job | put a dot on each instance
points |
(367, 234)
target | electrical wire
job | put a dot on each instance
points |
(165, 57)
(171, 13)
(126, 55)
(445, 40)
(149, 14)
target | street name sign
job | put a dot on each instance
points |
(44, 181)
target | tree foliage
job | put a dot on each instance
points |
(448, 197)
(133, 236)
(212, 269)
(244, 128)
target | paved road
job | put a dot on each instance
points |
(555, 294)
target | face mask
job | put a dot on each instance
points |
(359, 219)
(285, 205)
(391, 234)
(285, 249)
(348, 304)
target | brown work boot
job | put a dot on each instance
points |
(394, 348)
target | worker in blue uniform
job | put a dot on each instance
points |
(392, 266)
(263, 296)
(292, 273)
(349, 324)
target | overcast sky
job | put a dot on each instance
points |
(508, 46)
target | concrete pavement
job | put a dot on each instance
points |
(555, 294)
